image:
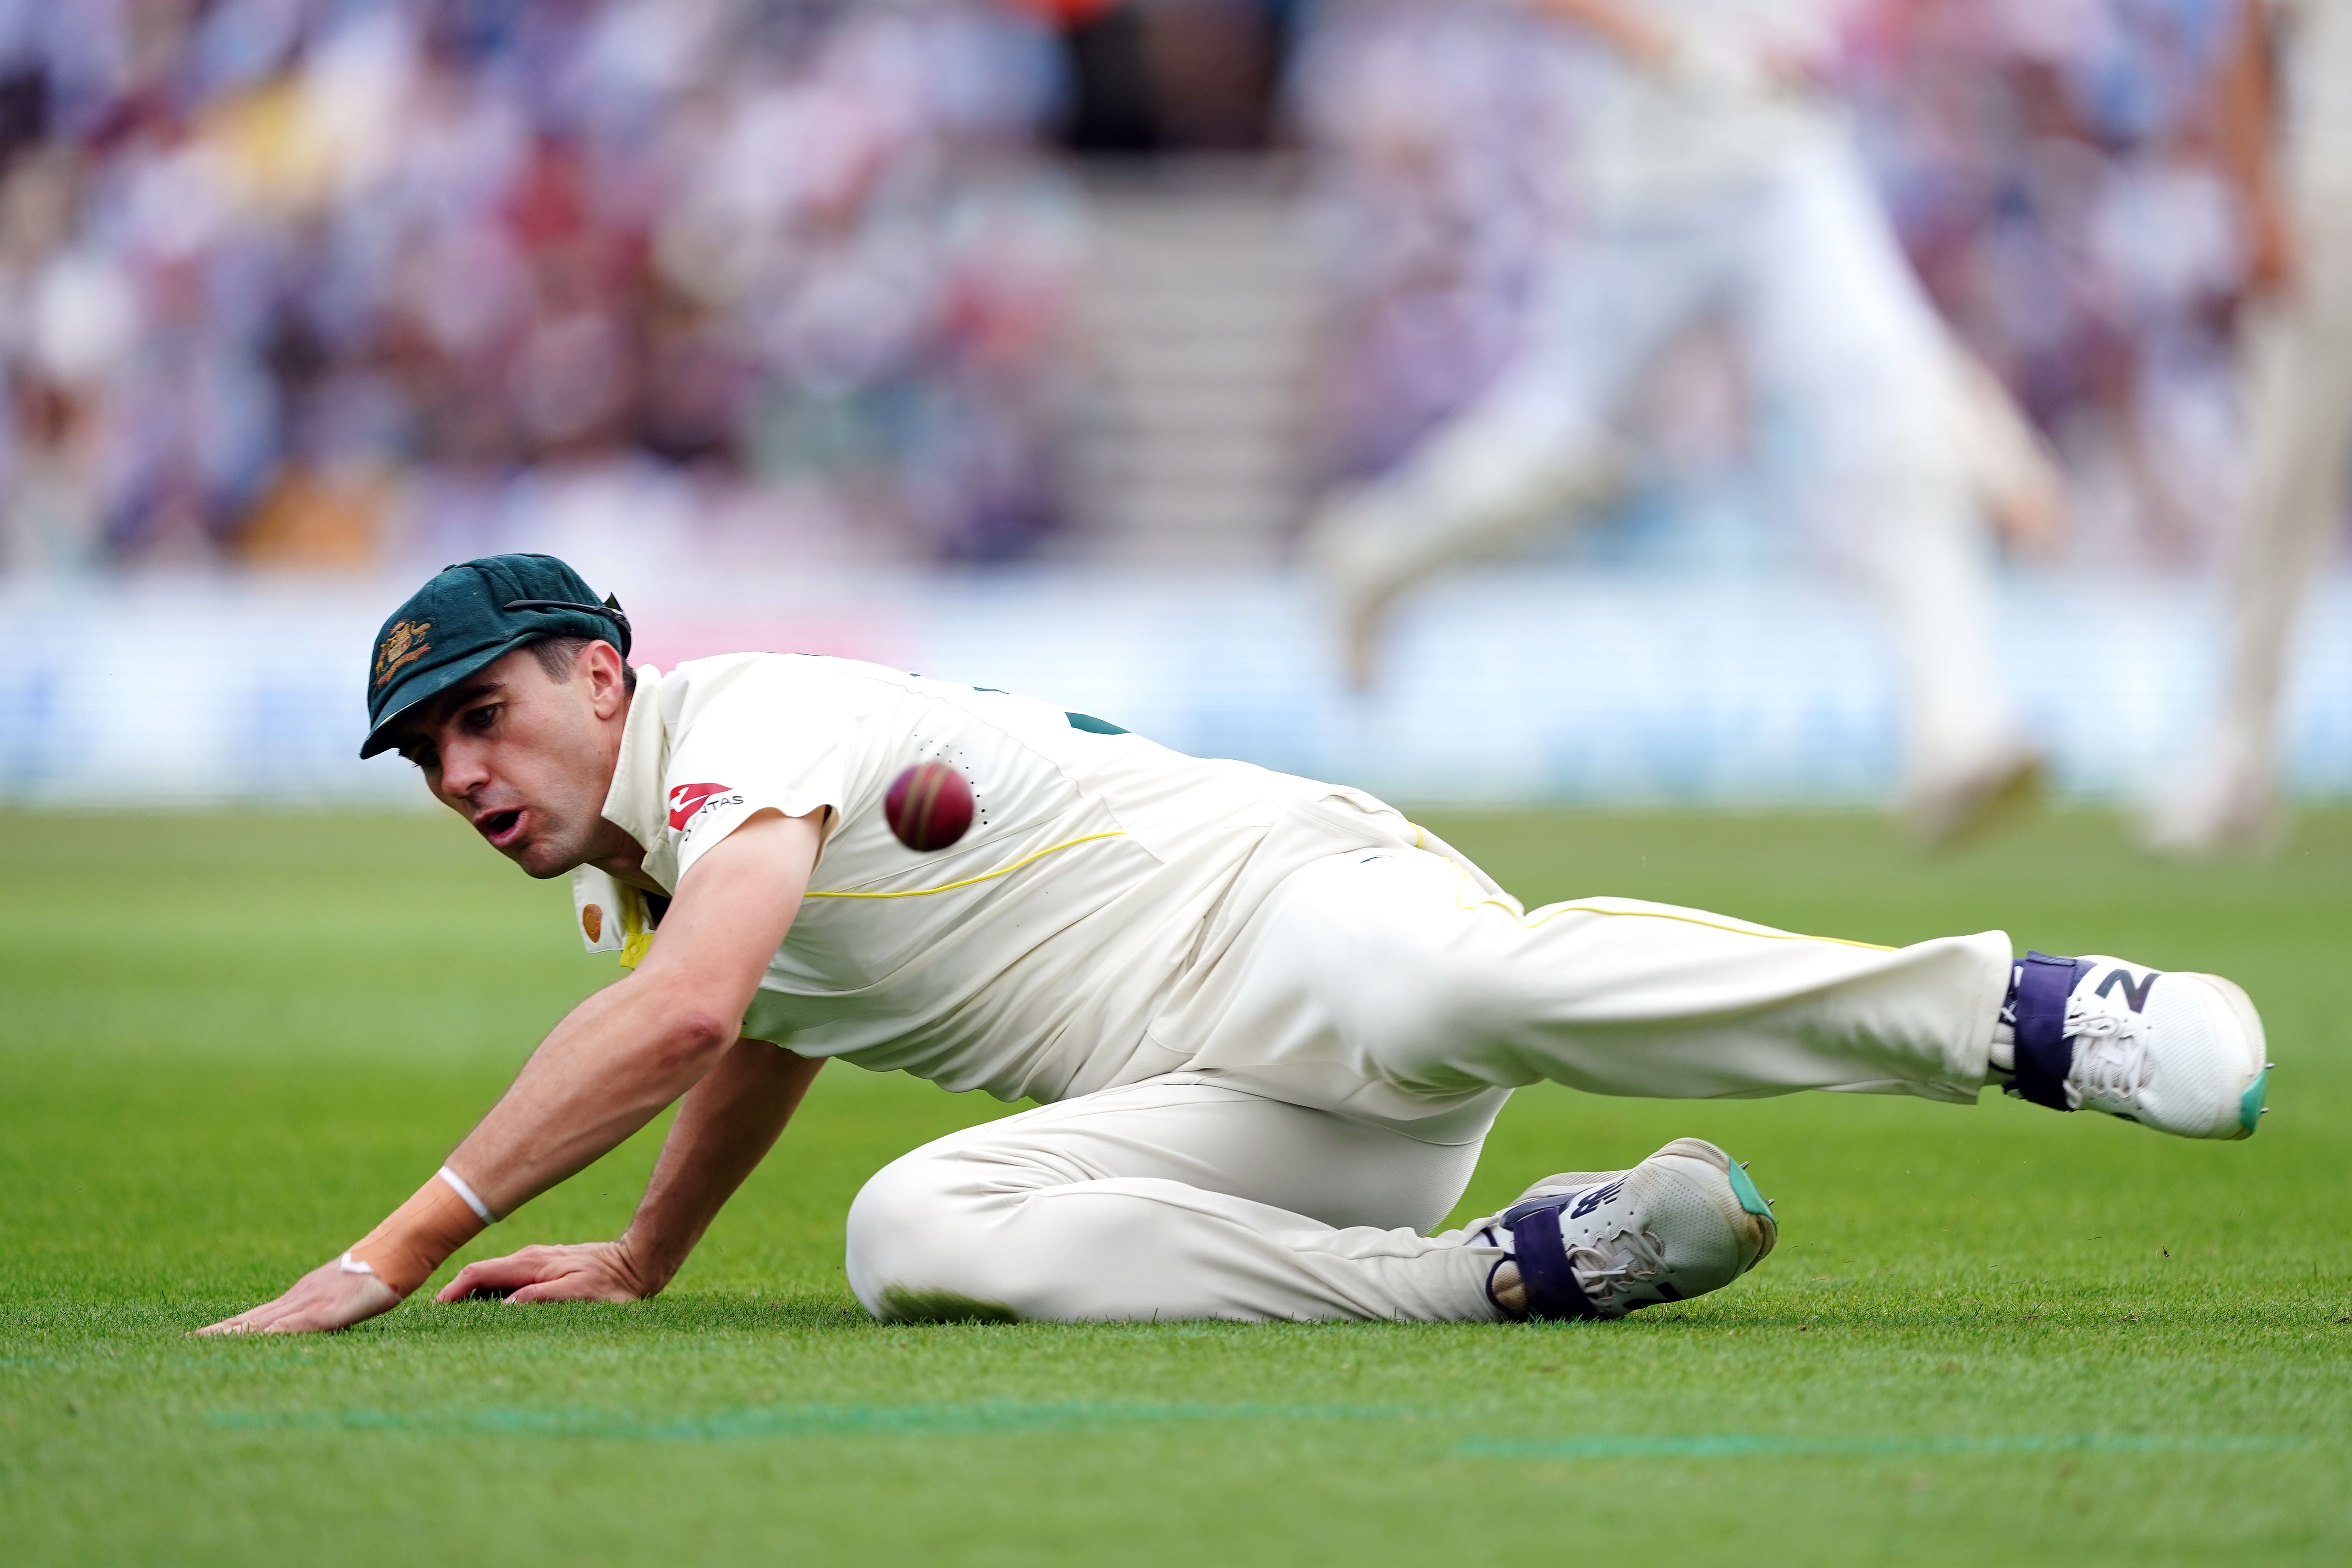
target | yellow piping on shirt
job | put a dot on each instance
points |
(984, 876)
(1461, 873)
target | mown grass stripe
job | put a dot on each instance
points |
(1016, 1416)
(790, 1421)
(1734, 1446)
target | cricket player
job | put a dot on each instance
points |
(2298, 361)
(1714, 179)
(1268, 1022)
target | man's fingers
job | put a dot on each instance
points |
(500, 1274)
(252, 1321)
(533, 1274)
(323, 1299)
(469, 1278)
(255, 1319)
(576, 1285)
(552, 1290)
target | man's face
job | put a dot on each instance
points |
(525, 758)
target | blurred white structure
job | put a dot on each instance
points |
(1536, 685)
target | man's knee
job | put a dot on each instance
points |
(890, 1221)
(916, 1252)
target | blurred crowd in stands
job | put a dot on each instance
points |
(279, 278)
(328, 283)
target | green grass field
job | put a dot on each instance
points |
(228, 1044)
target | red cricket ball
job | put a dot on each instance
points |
(929, 806)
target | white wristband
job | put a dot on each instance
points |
(473, 1200)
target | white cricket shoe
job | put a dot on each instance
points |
(1362, 544)
(1958, 804)
(2181, 1053)
(2229, 806)
(1601, 1244)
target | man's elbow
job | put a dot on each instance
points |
(690, 1036)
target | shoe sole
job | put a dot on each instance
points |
(2241, 1007)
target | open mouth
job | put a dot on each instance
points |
(500, 826)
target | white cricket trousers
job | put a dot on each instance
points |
(2298, 356)
(1359, 1036)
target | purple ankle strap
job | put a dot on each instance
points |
(1553, 1293)
(2038, 1001)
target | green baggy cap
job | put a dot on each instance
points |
(472, 614)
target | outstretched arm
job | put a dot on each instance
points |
(1696, 58)
(725, 1127)
(1624, 27)
(2245, 107)
(608, 1069)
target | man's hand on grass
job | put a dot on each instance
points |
(592, 1271)
(329, 1297)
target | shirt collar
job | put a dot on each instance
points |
(634, 804)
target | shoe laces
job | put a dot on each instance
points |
(2110, 1052)
(1616, 1264)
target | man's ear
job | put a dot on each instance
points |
(600, 664)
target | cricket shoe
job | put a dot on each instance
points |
(1956, 805)
(2181, 1052)
(2229, 806)
(1601, 1244)
(1363, 546)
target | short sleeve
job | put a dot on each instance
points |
(780, 735)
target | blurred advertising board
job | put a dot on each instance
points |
(1532, 685)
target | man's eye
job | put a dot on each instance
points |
(479, 719)
(424, 757)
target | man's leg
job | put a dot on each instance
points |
(1177, 1198)
(1393, 985)
(1171, 1198)
(1395, 979)
(2298, 354)
(1374, 994)
(1844, 331)
(1537, 449)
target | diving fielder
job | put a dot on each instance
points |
(1269, 1021)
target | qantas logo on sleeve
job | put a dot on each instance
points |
(687, 801)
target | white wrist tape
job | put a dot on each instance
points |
(416, 1237)
(473, 1199)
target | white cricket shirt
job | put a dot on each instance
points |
(1029, 959)
(1649, 142)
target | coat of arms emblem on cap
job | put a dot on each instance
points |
(404, 643)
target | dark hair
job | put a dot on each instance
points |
(560, 656)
